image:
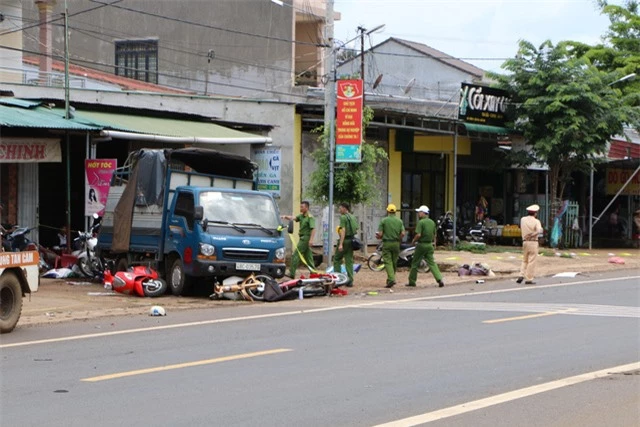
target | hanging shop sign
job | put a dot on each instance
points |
(483, 105)
(29, 150)
(349, 121)
(617, 177)
(98, 181)
(268, 160)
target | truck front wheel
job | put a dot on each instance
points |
(10, 302)
(176, 278)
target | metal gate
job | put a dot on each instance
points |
(570, 238)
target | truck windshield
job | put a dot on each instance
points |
(244, 208)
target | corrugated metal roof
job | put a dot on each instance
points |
(38, 117)
(24, 103)
(158, 126)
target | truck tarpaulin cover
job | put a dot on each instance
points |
(145, 188)
(214, 162)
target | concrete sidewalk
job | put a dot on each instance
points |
(61, 300)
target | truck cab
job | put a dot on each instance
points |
(222, 232)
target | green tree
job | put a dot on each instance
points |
(619, 51)
(354, 183)
(564, 108)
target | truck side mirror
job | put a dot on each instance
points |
(198, 213)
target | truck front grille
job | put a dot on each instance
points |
(242, 254)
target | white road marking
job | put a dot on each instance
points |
(571, 309)
(507, 397)
(306, 311)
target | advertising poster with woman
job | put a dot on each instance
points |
(98, 179)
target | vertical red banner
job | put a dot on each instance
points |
(98, 181)
(349, 116)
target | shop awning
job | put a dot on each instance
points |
(29, 115)
(475, 127)
(127, 126)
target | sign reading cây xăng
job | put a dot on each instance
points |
(483, 105)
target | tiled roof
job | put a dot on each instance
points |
(124, 82)
(440, 56)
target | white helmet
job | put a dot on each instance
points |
(156, 310)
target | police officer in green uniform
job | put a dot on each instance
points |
(306, 233)
(425, 237)
(347, 230)
(391, 231)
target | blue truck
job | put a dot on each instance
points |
(195, 215)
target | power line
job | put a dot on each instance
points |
(85, 61)
(212, 27)
(37, 24)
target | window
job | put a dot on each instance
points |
(137, 59)
(185, 208)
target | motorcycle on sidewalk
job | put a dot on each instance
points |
(405, 258)
(89, 262)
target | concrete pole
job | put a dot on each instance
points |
(45, 7)
(329, 118)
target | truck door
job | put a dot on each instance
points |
(182, 236)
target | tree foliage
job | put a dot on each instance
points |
(619, 51)
(354, 183)
(563, 106)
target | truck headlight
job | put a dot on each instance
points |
(207, 250)
(280, 253)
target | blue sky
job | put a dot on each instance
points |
(473, 30)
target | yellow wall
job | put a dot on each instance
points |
(428, 144)
(441, 144)
(395, 171)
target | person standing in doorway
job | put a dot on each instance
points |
(306, 233)
(531, 228)
(347, 231)
(391, 231)
(424, 240)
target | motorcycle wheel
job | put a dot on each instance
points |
(85, 266)
(257, 293)
(154, 288)
(423, 267)
(341, 279)
(375, 263)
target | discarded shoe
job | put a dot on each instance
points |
(390, 284)
(529, 282)
(520, 279)
(410, 285)
(440, 283)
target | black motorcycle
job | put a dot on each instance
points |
(375, 261)
(444, 230)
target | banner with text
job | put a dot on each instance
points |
(483, 105)
(29, 150)
(349, 120)
(617, 177)
(98, 180)
(268, 160)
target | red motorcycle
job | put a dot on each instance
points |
(139, 280)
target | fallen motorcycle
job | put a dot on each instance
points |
(254, 287)
(139, 280)
(405, 258)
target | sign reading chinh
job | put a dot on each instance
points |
(349, 121)
(29, 150)
(483, 105)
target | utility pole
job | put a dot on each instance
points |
(67, 116)
(329, 117)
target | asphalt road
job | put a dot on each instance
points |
(557, 354)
